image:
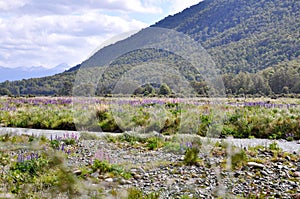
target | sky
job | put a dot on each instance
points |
(48, 33)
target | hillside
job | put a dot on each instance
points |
(243, 35)
(254, 43)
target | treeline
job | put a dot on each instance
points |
(283, 79)
(60, 84)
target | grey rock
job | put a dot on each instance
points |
(95, 174)
(109, 180)
(255, 165)
(264, 173)
(77, 172)
(124, 182)
(296, 174)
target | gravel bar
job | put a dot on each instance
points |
(292, 146)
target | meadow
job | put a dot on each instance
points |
(240, 118)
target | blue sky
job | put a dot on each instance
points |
(48, 33)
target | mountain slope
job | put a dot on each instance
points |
(241, 36)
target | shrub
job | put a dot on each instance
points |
(154, 143)
(191, 156)
(88, 136)
(274, 146)
(239, 159)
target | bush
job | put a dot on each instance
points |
(191, 156)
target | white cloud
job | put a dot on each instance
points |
(180, 5)
(41, 7)
(9, 5)
(53, 39)
(40, 32)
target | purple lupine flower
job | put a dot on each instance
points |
(28, 157)
(189, 144)
(63, 147)
(20, 158)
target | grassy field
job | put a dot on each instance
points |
(241, 118)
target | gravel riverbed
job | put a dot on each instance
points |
(162, 171)
(293, 146)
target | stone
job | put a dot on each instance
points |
(288, 158)
(125, 182)
(296, 174)
(255, 165)
(95, 175)
(264, 173)
(137, 176)
(77, 172)
(296, 196)
(109, 180)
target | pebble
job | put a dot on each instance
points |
(255, 165)
(296, 174)
(109, 180)
(77, 172)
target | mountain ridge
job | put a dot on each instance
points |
(252, 42)
(19, 73)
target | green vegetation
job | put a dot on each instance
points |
(255, 45)
(271, 120)
(191, 156)
(134, 193)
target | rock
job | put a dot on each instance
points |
(109, 180)
(124, 182)
(95, 175)
(296, 196)
(77, 172)
(296, 174)
(137, 176)
(288, 158)
(279, 167)
(264, 173)
(255, 165)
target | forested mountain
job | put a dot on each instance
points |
(243, 35)
(255, 43)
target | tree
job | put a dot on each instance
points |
(4, 91)
(164, 90)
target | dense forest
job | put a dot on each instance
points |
(255, 44)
